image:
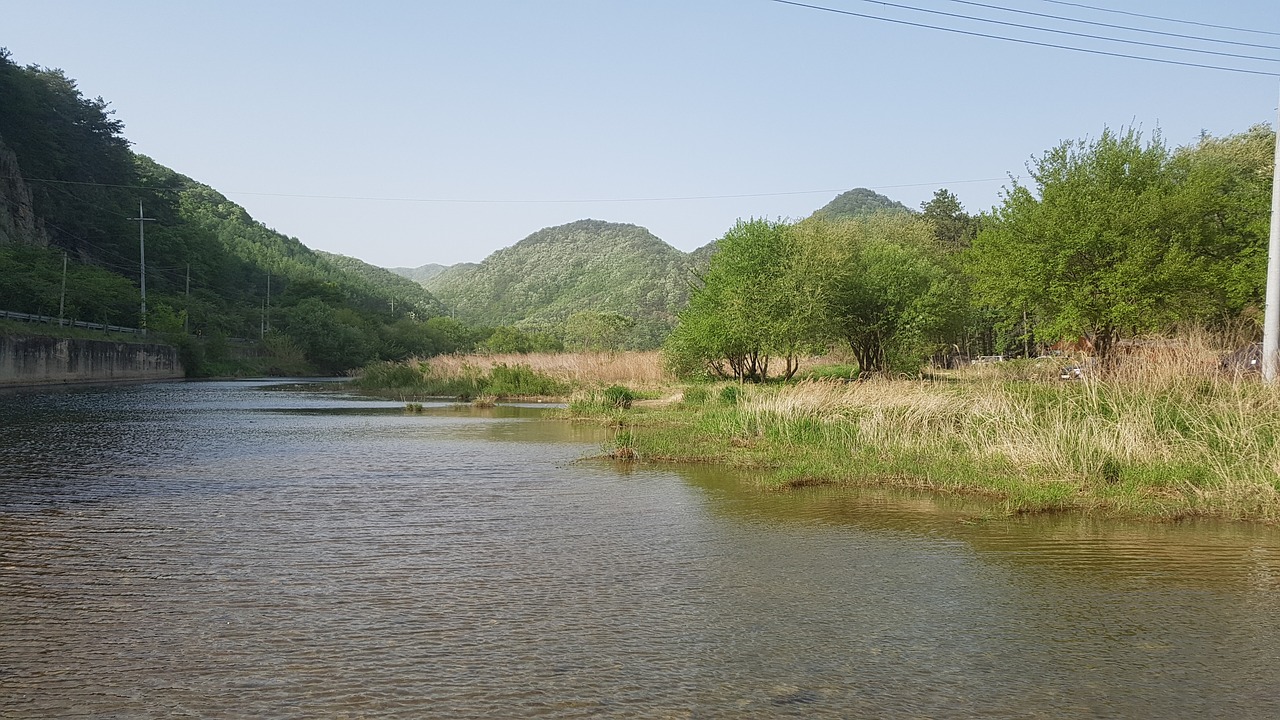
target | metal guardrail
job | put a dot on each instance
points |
(49, 320)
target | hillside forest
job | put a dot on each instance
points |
(1110, 237)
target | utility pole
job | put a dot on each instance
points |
(1271, 315)
(142, 261)
(186, 319)
(266, 307)
(62, 299)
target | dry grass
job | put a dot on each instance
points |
(643, 370)
(1161, 432)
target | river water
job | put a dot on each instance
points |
(244, 549)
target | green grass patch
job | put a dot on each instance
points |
(419, 379)
(842, 371)
(1113, 450)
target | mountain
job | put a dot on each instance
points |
(585, 265)
(859, 202)
(69, 186)
(388, 283)
(421, 274)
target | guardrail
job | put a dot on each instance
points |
(49, 320)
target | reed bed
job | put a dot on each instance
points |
(504, 376)
(579, 369)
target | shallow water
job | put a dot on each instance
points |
(244, 549)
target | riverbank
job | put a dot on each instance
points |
(1163, 436)
(31, 360)
(1126, 449)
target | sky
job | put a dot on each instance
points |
(406, 133)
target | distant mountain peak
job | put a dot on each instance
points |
(859, 202)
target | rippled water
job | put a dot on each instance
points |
(239, 549)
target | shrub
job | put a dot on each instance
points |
(730, 394)
(696, 395)
(619, 396)
(521, 380)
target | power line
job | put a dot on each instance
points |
(554, 201)
(1163, 19)
(1069, 33)
(1113, 26)
(1022, 41)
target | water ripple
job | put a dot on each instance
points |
(230, 550)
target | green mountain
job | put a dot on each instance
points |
(859, 202)
(71, 187)
(588, 265)
(396, 288)
(421, 274)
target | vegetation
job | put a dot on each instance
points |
(593, 284)
(69, 186)
(1165, 435)
(776, 292)
(456, 375)
(860, 203)
(422, 273)
(1117, 237)
(426, 379)
(1120, 237)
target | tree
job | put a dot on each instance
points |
(595, 330)
(952, 226)
(752, 305)
(1093, 250)
(331, 339)
(508, 339)
(885, 287)
(1223, 204)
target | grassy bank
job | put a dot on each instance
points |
(1161, 435)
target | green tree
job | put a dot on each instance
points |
(595, 330)
(753, 304)
(1093, 248)
(329, 338)
(886, 287)
(1223, 207)
(952, 226)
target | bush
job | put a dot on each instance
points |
(521, 380)
(619, 396)
(696, 395)
(730, 394)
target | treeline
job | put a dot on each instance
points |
(1112, 237)
(70, 188)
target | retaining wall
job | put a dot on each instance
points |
(31, 360)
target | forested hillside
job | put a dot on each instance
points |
(422, 273)
(71, 186)
(588, 266)
(858, 203)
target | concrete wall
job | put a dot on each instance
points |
(42, 361)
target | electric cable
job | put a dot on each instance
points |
(1037, 43)
(1163, 19)
(1113, 26)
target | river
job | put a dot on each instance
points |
(253, 549)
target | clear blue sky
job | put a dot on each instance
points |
(563, 100)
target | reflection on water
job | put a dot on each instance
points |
(234, 550)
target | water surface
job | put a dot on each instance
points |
(247, 549)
